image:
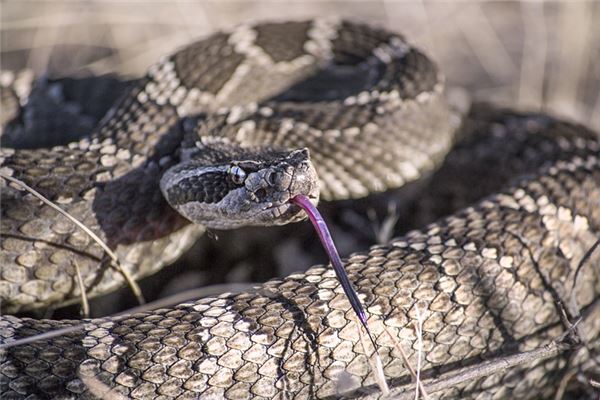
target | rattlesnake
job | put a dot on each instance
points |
(372, 112)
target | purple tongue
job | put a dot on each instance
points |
(321, 228)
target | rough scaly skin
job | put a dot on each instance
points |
(110, 182)
(486, 280)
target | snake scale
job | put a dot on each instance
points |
(499, 277)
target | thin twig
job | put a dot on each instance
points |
(85, 306)
(115, 261)
(497, 364)
(563, 313)
(481, 370)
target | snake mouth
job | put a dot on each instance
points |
(287, 212)
(298, 211)
(314, 199)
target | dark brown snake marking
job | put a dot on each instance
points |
(487, 281)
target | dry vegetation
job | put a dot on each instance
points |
(539, 55)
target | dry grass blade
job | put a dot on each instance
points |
(406, 363)
(193, 294)
(486, 44)
(419, 331)
(178, 298)
(375, 361)
(115, 261)
(562, 388)
(384, 230)
(584, 260)
(574, 27)
(85, 305)
(534, 59)
(41, 336)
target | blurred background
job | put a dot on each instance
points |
(535, 55)
(532, 54)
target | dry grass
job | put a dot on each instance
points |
(537, 55)
(115, 261)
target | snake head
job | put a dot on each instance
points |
(241, 187)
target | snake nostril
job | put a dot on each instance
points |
(271, 178)
(261, 194)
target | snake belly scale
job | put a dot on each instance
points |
(370, 110)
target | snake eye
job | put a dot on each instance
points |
(237, 174)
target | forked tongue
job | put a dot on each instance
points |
(325, 237)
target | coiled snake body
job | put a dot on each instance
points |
(491, 280)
